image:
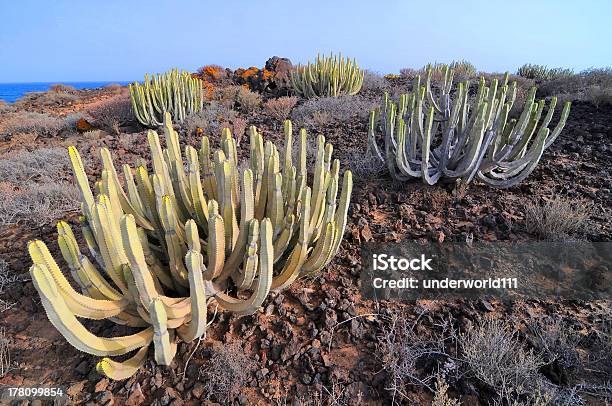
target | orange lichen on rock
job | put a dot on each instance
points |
(83, 125)
(267, 74)
(252, 71)
(209, 90)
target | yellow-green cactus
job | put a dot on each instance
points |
(176, 92)
(180, 235)
(327, 76)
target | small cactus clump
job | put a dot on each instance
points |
(178, 93)
(182, 235)
(474, 138)
(328, 76)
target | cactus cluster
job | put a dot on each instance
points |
(474, 136)
(176, 92)
(184, 234)
(327, 76)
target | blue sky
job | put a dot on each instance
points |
(121, 40)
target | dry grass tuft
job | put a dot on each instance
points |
(558, 219)
(226, 372)
(37, 203)
(50, 164)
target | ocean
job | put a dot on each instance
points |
(9, 92)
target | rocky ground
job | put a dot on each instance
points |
(320, 342)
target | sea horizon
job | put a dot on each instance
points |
(12, 91)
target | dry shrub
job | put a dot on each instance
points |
(441, 397)
(248, 101)
(51, 164)
(5, 355)
(226, 372)
(279, 109)
(113, 113)
(322, 119)
(365, 166)
(558, 219)
(492, 352)
(374, 82)
(403, 349)
(238, 127)
(114, 88)
(336, 395)
(557, 343)
(42, 124)
(212, 119)
(239, 98)
(339, 110)
(62, 88)
(37, 203)
(594, 85)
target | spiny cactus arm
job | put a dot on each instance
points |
(322, 250)
(430, 173)
(402, 161)
(228, 144)
(81, 305)
(523, 121)
(283, 240)
(216, 242)
(126, 205)
(247, 213)
(122, 370)
(87, 197)
(175, 238)
(287, 161)
(195, 186)
(164, 349)
(107, 241)
(519, 148)
(465, 163)
(143, 278)
(243, 278)
(392, 146)
(437, 106)
(90, 241)
(276, 206)
(521, 168)
(82, 270)
(263, 282)
(559, 127)
(227, 205)
(291, 268)
(372, 144)
(160, 168)
(341, 215)
(132, 189)
(198, 305)
(208, 171)
(67, 324)
(153, 262)
(137, 104)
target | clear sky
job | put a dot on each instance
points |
(87, 40)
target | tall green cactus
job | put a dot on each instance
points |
(180, 235)
(328, 76)
(476, 138)
(175, 92)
